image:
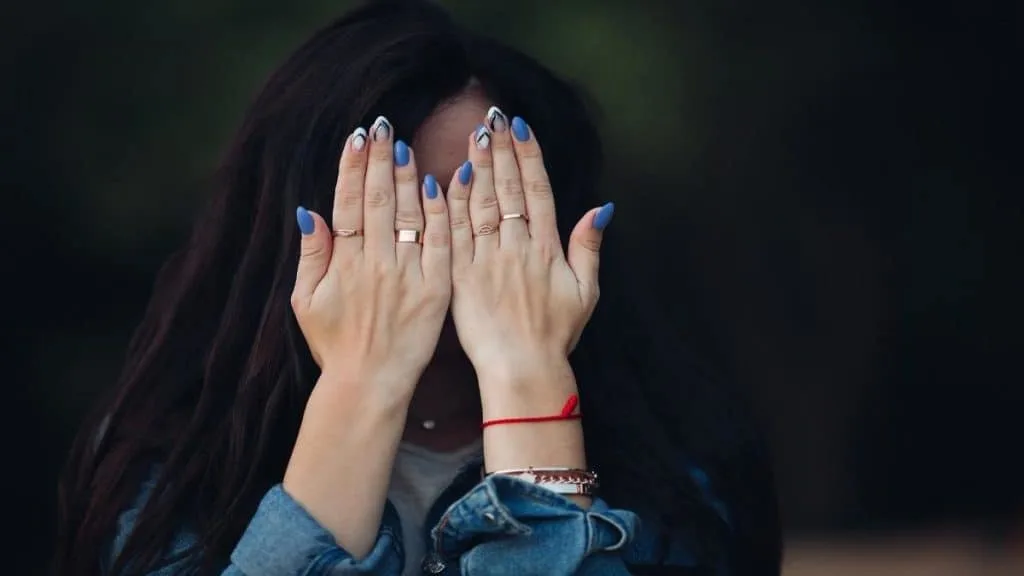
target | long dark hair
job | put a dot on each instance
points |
(217, 374)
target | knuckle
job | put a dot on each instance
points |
(436, 239)
(508, 186)
(381, 153)
(349, 198)
(405, 176)
(487, 201)
(378, 195)
(529, 151)
(482, 163)
(538, 188)
(381, 270)
(590, 243)
(409, 218)
(458, 192)
(459, 222)
(311, 250)
(548, 252)
(434, 208)
(353, 164)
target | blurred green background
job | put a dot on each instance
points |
(813, 190)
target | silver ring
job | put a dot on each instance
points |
(406, 236)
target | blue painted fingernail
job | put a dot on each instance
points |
(401, 153)
(520, 130)
(430, 186)
(306, 223)
(465, 173)
(604, 216)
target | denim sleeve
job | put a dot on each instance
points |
(505, 525)
(281, 539)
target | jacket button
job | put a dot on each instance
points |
(433, 564)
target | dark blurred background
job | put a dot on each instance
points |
(826, 195)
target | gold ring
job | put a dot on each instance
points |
(515, 215)
(346, 232)
(408, 236)
(485, 230)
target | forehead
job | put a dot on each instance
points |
(441, 143)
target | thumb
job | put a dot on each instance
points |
(315, 254)
(585, 246)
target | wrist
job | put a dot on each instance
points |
(526, 389)
(373, 390)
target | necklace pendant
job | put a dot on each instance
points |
(428, 424)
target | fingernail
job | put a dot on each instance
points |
(482, 138)
(381, 129)
(359, 139)
(401, 153)
(496, 119)
(465, 173)
(430, 186)
(604, 216)
(520, 130)
(306, 223)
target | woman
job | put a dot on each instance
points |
(299, 400)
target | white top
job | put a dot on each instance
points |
(417, 479)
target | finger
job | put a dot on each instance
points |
(507, 185)
(585, 246)
(408, 208)
(436, 235)
(540, 203)
(379, 193)
(347, 213)
(458, 214)
(314, 256)
(483, 202)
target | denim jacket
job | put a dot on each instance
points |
(495, 526)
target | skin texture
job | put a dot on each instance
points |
(373, 312)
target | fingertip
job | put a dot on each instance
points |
(603, 217)
(520, 129)
(430, 188)
(481, 137)
(465, 173)
(304, 218)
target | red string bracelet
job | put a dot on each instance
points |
(568, 413)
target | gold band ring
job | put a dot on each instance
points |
(346, 232)
(406, 236)
(515, 215)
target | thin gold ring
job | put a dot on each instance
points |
(485, 230)
(514, 216)
(346, 232)
(406, 236)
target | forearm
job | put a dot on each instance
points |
(541, 390)
(341, 464)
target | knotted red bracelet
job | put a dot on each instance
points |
(568, 413)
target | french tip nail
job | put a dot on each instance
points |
(604, 216)
(496, 119)
(380, 128)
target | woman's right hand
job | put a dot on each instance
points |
(371, 305)
(369, 302)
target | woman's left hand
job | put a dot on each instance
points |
(518, 303)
